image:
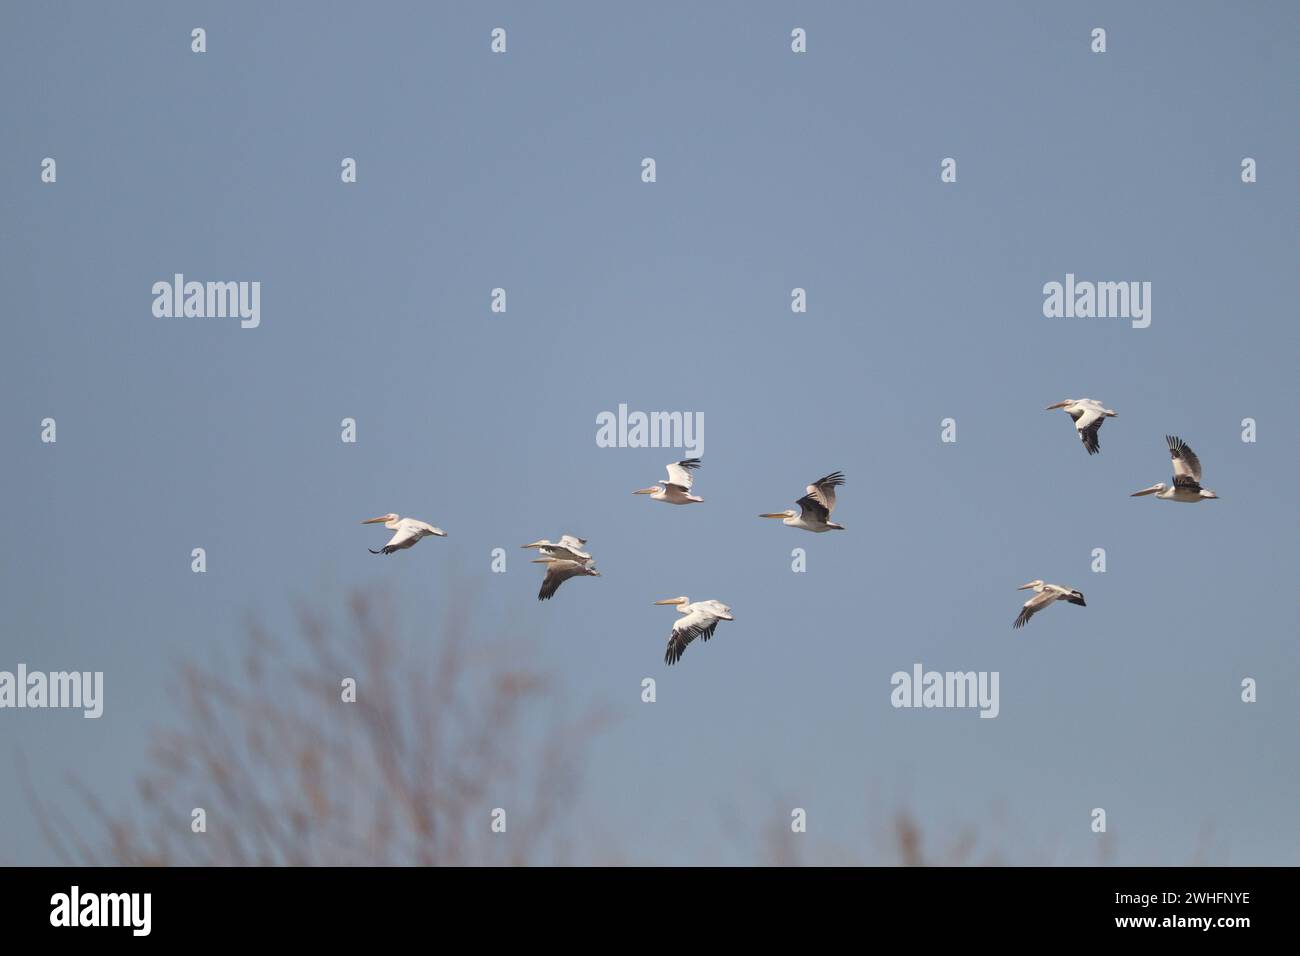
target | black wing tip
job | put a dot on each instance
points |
(834, 479)
(690, 463)
(1021, 620)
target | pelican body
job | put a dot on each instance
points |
(1089, 415)
(698, 620)
(567, 548)
(1187, 476)
(677, 489)
(814, 508)
(406, 531)
(1044, 596)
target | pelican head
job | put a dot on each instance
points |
(778, 514)
(382, 519)
(1065, 404)
(676, 600)
(646, 491)
(1036, 583)
(1158, 487)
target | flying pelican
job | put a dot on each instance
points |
(1047, 593)
(559, 570)
(568, 548)
(407, 531)
(676, 490)
(815, 507)
(697, 620)
(1187, 476)
(1089, 415)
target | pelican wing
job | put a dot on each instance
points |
(571, 542)
(563, 553)
(699, 623)
(679, 473)
(818, 504)
(813, 510)
(1187, 467)
(406, 535)
(557, 572)
(1033, 606)
(1089, 424)
(823, 490)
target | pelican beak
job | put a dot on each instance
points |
(1025, 587)
(670, 601)
(1146, 491)
(380, 520)
(535, 544)
(1057, 405)
(773, 515)
(645, 491)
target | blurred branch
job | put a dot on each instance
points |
(290, 774)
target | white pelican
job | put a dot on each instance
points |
(815, 507)
(1089, 415)
(676, 490)
(406, 531)
(697, 620)
(1187, 476)
(568, 548)
(1047, 593)
(559, 570)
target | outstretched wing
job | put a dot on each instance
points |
(1032, 607)
(820, 500)
(1187, 467)
(679, 473)
(557, 572)
(406, 535)
(696, 624)
(1089, 424)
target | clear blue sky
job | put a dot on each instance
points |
(775, 170)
